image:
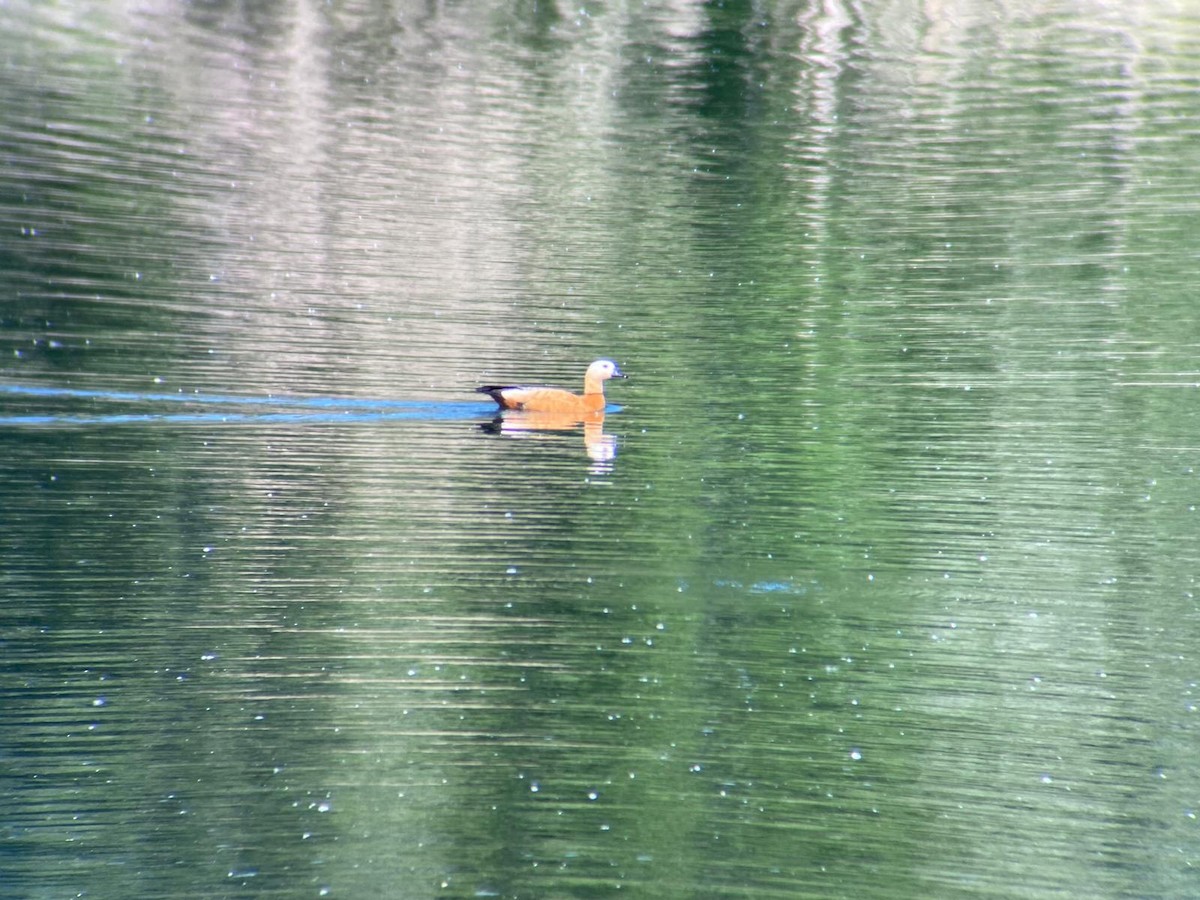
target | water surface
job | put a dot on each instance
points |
(878, 578)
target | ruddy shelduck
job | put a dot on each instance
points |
(555, 400)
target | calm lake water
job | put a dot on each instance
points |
(878, 578)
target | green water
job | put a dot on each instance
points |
(880, 584)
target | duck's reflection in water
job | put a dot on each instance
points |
(601, 448)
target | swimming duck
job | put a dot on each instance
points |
(554, 400)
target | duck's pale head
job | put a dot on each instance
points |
(604, 369)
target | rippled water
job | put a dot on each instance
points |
(876, 579)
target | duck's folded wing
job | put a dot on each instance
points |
(535, 398)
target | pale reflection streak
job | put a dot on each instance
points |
(601, 448)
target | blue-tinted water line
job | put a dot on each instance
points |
(324, 409)
(223, 418)
(240, 400)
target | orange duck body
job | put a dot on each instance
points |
(555, 400)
